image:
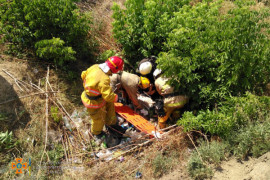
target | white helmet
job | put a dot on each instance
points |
(156, 73)
(145, 68)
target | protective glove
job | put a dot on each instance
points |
(159, 108)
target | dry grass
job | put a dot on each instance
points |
(226, 6)
(154, 161)
(158, 160)
(25, 105)
(102, 22)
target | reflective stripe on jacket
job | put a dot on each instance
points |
(96, 82)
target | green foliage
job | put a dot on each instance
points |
(4, 117)
(200, 161)
(6, 141)
(27, 22)
(56, 154)
(253, 140)
(54, 49)
(197, 169)
(213, 152)
(162, 164)
(142, 27)
(212, 55)
(55, 114)
(233, 114)
(105, 55)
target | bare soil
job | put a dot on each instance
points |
(251, 169)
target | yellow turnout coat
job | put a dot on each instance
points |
(98, 98)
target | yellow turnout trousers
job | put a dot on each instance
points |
(101, 116)
(162, 120)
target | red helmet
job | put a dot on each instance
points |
(115, 63)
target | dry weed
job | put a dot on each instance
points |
(173, 150)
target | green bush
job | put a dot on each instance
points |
(211, 54)
(56, 154)
(105, 55)
(163, 164)
(197, 169)
(141, 28)
(26, 22)
(253, 140)
(55, 114)
(54, 50)
(206, 157)
(231, 115)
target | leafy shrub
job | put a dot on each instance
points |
(54, 49)
(197, 169)
(253, 140)
(214, 152)
(105, 55)
(211, 54)
(55, 114)
(163, 164)
(233, 114)
(200, 161)
(28, 21)
(141, 28)
(56, 154)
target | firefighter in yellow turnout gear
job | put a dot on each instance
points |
(172, 100)
(133, 86)
(98, 96)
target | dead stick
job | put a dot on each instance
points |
(70, 147)
(195, 146)
(50, 86)
(22, 82)
(141, 138)
(46, 116)
(64, 150)
(23, 85)
(132, 149)
(68, 115)
(170, 127)
(205, 137)
(21, 97)
(15, 80)
(141, 145)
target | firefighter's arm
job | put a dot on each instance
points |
(83, 75)
(107, 92)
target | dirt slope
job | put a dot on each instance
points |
(252, 169)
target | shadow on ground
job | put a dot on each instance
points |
(13, 114)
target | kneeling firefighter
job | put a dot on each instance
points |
(134, 86)
(98, 96)
(146, 68)
(171, 100)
